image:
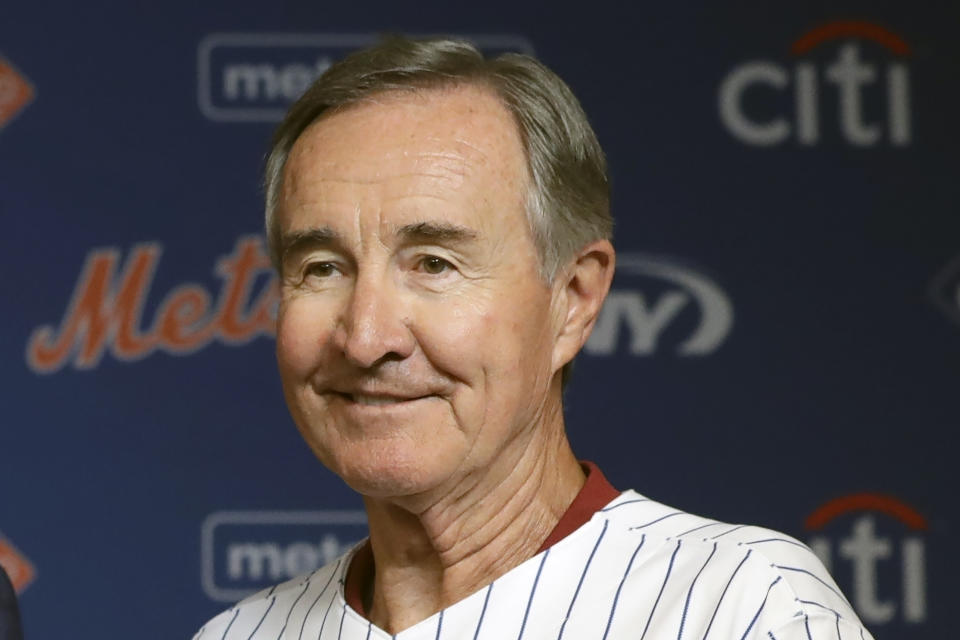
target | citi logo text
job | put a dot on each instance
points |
(16, 92)
(650, 300)
(105, 312)
(253, 77)
(766, 103)
(884, 574)
(246, 551)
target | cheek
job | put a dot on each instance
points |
(450, 335)
(487, 338)
(302, 330)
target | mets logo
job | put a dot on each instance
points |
(17, 565)
(861, 95)
(105, 312)
(874, 546)
(16, 92)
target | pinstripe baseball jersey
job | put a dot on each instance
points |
(636, 569)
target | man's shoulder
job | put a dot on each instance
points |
(781, 554)
(736, 561)
(634, 512)
(269, 610)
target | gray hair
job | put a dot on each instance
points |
(568, 198)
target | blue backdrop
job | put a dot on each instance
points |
(781, 347)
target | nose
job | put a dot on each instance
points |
(374, 326)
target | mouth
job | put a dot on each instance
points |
(374, 400)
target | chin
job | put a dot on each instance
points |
(393, 471)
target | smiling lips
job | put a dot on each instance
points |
(378, 400)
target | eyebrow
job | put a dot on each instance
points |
(436, 232)
(297, 241)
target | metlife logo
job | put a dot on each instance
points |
(243, 552)
(253, 77)
(659, 304)
(860, 94)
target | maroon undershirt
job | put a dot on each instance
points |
(596, 493)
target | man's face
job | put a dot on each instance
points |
(415, 337)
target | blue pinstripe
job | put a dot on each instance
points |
(818, 578)
(583, 575)
(817, 604)
(369, 629)
(323, 623)
(343, 616)
(669, 515)
(762, 605)
(703, 526)
(793, 542)
(838, 627)
(235, 614)
(643, 538)
(772, 637)
(686, 605)
(536, 580)
(287, 621)
(273, 601)
(806, 623)
(662, 587)
(615, 506)
(483, 611)
(439, 625)
(317, 599)
(720, 535)
(732, 576)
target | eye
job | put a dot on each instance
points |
(434, 265)
(320, 269)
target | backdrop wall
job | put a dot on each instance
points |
(781, 346)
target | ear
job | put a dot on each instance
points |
(580, 291)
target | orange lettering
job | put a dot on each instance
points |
(179, 319)
(264, 312)
(96, 315)
(106, 309)
(239, 271)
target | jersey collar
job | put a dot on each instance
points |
(597, 492)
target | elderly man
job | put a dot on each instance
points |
(440, 224)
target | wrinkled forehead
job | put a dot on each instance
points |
(455, 135)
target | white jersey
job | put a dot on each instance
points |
(638, 569)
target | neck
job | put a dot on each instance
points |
(430, 557)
